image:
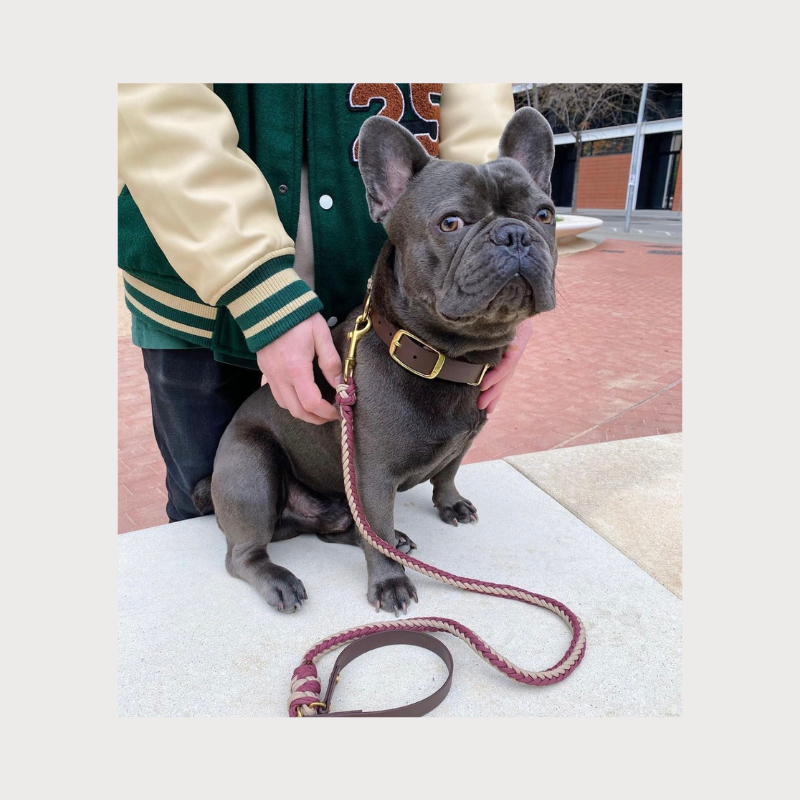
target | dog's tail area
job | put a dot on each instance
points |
(201, 496)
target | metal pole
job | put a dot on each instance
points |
(636, 161)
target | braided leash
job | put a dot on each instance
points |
(305, 685)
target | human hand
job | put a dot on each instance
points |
(496, 380)
(287, 365)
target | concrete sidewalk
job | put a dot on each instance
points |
(195, 642)
(664, 227)
(628, 491)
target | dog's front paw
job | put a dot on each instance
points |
(392, 594)
(461, 511)
(283, 590)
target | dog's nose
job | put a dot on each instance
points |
(511, 234)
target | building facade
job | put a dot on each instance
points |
(606, 153)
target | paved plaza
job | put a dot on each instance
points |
(604, 365)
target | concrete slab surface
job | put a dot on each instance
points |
(195, 642)
(628, 491)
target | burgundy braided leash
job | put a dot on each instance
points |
(305, 686)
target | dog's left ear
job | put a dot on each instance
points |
(388, 157)
(528, 139)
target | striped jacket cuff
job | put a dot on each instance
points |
(271, 300)
(170, 308)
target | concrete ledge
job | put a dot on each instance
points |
(628, 491)
(195, 642)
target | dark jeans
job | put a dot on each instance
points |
(193, 399)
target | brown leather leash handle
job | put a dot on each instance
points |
(384, 639)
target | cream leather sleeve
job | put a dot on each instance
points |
(472, 119)
(207, 204)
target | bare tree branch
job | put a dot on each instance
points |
(580, 106)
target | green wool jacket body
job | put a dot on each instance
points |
(209, 204)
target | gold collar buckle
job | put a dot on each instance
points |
(396, 343)
(483, 372)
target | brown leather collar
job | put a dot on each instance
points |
(422, 359)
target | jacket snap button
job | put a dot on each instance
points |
(326, 201)
(283, 188)
(332, 321)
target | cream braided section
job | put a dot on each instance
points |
(432, 623)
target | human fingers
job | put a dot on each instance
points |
(492, 407)
(523, 334)
(511, 356)
(498, 373)
(327, 357)
(292, 403)
(488, 398)
(276, 393)
(301, 375)
(287, 399)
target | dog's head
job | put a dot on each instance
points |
(475, 245)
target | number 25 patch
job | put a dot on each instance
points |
(418, 111)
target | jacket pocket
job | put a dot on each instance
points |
(228, 341)
(138, 251)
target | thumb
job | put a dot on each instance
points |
(523, 333)
(327, 357)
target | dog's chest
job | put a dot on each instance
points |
(437, 440)
(413, 473)
(410, 426)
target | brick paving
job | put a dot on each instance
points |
(142, 494)
(604, 365)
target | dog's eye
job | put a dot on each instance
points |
(544, 215)
(450, 224)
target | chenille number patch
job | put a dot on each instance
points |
(420, 116)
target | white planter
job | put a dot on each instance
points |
(571, 226)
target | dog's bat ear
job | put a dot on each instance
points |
(528, 139)
(388, 157)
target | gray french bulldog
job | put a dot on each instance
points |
(471, 253)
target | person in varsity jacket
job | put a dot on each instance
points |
(244, 235)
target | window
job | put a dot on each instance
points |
(607, 147)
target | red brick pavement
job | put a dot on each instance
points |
(142, 494)
(604, 365)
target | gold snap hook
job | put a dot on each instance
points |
(362, 325)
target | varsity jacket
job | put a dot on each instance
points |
(210, 193)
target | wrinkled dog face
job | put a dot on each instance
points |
(489, 245)
(475, 244)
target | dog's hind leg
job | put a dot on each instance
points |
(327, 516)
(248, 490)
(352, 536)
(404, 542)
(307, 511)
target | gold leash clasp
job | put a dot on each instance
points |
(362, 326)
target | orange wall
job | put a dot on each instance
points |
(603, 181)
(677, 200)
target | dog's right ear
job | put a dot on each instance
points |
(388, 157)
(528, 138)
